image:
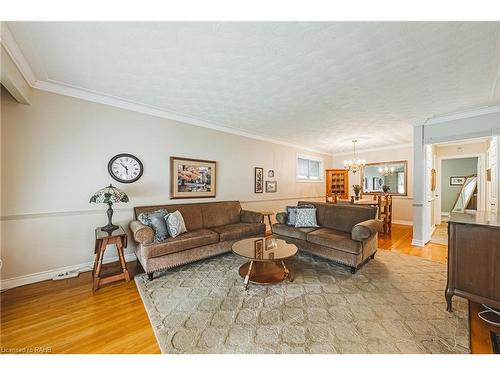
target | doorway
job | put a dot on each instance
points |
(453, 163)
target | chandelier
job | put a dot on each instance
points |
(355, 164)
(386, 171)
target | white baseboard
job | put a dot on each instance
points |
(403, 222)
(48, 275)
(415, 242)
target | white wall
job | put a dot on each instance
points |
(402, 205)
(55, 154)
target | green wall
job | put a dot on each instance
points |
(454, 167)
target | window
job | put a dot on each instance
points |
(309, 168)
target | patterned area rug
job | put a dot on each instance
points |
(394, 304)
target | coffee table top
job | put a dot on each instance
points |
(264, 249)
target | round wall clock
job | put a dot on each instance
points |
(125, 168)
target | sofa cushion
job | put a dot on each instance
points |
(291, 213)
(185, 241)
(306, 218)
(335, 239)
(156, 221)
(190, 212)
(220, 213)
(288, 231)
(240, 230)
(175, 224)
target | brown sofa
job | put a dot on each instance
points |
(212, 228)
(347, 234)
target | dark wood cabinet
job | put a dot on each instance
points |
(474, 258)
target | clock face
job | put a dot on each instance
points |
(125, 168)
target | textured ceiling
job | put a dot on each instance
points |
(318, 85)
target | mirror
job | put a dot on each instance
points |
(465, 194)
(385, 177)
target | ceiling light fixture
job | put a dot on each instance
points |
(355, 164)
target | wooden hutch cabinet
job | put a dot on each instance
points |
(337, 182)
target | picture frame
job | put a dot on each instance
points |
(271, 186)
(192, 178)
(270, 173)
(258, 180)
(457, 180)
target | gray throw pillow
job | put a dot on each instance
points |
(291, 213)
(155, 220)
(175, 224)
(306, 218)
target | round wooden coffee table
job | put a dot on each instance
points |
(267, 256)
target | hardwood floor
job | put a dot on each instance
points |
(66, 317)
(399, 240)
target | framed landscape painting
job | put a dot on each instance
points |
(192, 178)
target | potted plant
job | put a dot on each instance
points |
(386, 188)
(357, 190)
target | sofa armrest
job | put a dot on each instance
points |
(366, 229)
(281, 217)
(142, 233)
(251, 217)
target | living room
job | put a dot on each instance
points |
(248, 187)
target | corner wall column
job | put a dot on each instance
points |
(419, 194)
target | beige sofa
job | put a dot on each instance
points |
(212, 228)
(348, 234)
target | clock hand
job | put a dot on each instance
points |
(126, 169)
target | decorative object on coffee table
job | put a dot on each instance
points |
(268, 214)
(192, 178)
(109, 195)
(271, 186)
(268, 269)
(116, 237)
(258, 180)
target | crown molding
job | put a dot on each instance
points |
(374, 149)
(91, 96)
(8, 41)
(459, 115)
(10, 45)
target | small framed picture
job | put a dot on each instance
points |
(270, 173)
(258, 180)
(457, 180)
(271, 186)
